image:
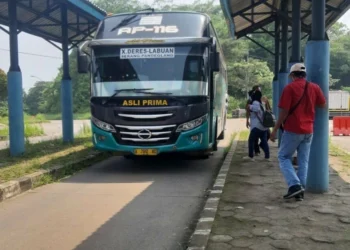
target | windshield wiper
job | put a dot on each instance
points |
(153, 93)
(126, 20)
(124, 90)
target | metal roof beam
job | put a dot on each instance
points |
(48, 10)
(88, 33)
(329, 7)
(30, 29)
(254, 27)
(74, 44)
(252, 22)
(50, 42)
(46, 16)
(270, 13)
(305, 27)
(4, 30)
(344, 6)
(248, 8)
(57, 24)
(261, 46)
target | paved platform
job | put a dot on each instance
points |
(252, 214)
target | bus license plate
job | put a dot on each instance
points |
(142, 151)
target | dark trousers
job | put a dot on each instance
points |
(257, 145)
(254, 136)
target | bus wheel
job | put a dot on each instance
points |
(128, 157)
(203, 156)
(222, 135)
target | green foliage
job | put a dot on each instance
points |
(340, 55)
(30, 130)
(35, 99)
(3, 94)
(45, 97)
(234, 103)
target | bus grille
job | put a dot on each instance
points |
(146, 135)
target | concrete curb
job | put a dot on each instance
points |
(200, 237)
(13, 188)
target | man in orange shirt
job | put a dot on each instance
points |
(297, 114)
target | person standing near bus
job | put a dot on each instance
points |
(257, 129)
(249, 102)
(297, 114)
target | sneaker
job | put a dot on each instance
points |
(248, 158)
(267, 159)
(299, 197)
(293, 191)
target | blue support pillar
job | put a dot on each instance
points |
(296, 34)
(317, 66)
(283, 74)
(66, 84)
(275, 83)
(15, 90)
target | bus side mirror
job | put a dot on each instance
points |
(215, 62)
(83, 63)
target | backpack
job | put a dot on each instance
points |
(268, 120)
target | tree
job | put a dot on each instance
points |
(243, 76)
(35, 99)
(3, 94)
(332, 81)
(3, 85)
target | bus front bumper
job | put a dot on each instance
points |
(194, 140)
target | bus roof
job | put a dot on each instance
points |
(158, 12)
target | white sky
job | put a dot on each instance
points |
(46, 68)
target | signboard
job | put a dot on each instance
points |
(151, 20)
(142, 53)
(155, 25)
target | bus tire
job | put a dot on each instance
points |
(128, 157)
(222, 135)
(203, 156)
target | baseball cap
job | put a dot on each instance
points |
(298, 67)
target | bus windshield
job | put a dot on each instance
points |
(176, 70)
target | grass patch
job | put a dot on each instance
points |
(339, 153)
(85, 131)
(30, 130)
(45, 155)
(76, 116)
(43, 118)
(227, 149)
(28, 119)
(244, 135)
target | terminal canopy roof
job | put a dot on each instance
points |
(43, 18)
(246, 16)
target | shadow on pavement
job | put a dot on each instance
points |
(253, 215)
(165, 197)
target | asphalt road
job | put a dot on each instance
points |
(117, 204)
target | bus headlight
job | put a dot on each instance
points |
(192, 124)
(103, 125)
